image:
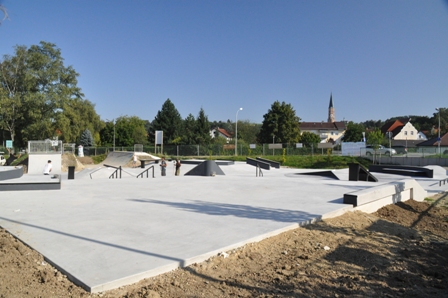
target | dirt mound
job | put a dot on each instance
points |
(400, 251)
(69, 159)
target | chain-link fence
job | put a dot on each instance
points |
(214, 150)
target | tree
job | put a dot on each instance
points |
(188, 130)
(353, 133)
(169, 121)
(87, 139)
(36, 87)
(248, 131)
(281, 124)
(128, 131)
(309, 139)
(202, 131)
(375, 138)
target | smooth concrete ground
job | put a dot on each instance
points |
(105, 233)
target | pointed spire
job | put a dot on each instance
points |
(331, 115)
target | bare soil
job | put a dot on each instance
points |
(399, 251)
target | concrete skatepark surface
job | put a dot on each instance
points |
(105, 233)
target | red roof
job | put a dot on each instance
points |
(224, 132)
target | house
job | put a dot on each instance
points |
(402, 133)
(328, 132)
(221, 132)
(331, 131)
(432, 145)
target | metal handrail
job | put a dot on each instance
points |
(95, 171)
(115, 173)
(146, 171)
(259, 172)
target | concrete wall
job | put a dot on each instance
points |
(37, 162)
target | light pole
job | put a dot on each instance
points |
(438, 139)
(114, 134)
(236, 130)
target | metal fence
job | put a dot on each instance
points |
(259, 150)
(214, 150)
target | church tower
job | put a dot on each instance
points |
(331, 116)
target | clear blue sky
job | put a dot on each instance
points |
(379, 58)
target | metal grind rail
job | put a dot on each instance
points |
(116, 172)
(146, 171)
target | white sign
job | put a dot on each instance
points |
(159, 137)
(252, 146)
(299, 145)
(275, 146)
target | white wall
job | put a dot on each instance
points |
(37, 162)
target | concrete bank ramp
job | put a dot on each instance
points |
(118, 158)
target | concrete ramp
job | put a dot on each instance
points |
(118, 158)
(206, 168)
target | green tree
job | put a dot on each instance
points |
(443, 121)
(281, 124)
(375, 138)
(36, 86)
(353, 133)
(309, 139)
(169, 121)
(248, 131)
(87, 139)
(128, 132)
(202, 131)
(188, 130)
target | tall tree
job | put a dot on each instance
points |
(36, 86)
(127, 131)
(247, 131)
(353, 133)
(189, 130)
(202, 132)
(281, 124)
(169, 121)
(87, 139)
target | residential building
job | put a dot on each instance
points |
(329, 132)
(402, 133)
(221, 132)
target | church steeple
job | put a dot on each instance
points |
(331, 116)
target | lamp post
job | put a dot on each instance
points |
(236, 130)
(114, 134)
(438, 139)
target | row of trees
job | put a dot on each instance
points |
(40, 99)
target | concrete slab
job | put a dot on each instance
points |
(105, 233)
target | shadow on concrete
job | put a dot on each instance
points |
(245, 211)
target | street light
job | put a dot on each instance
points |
(236, 130)
(438, 139)
(114, 133)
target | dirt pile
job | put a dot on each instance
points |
(400, 251)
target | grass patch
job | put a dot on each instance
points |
(98, 158)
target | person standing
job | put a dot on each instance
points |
(177, 167)
(48, 167)
(163, 166)
(134, 163)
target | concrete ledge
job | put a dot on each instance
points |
(272, 163)
(8, 172)
(402, 170)
(17, 185)
(371, 199)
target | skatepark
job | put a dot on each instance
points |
(104, 233)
